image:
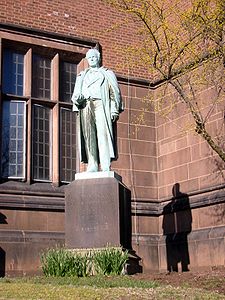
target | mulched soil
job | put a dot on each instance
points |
(211, 280)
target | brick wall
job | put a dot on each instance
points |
(82, 19)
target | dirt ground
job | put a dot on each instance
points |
(211, 279)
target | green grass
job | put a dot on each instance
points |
(95, 287)
(92, 281)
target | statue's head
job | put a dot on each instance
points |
(93, 58)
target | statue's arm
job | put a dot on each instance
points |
(77, 97)
(114, 106)
(115, 96)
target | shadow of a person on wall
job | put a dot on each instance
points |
(177, 224)
(2, 262)
(3, 220)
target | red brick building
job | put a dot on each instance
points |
(42, 46)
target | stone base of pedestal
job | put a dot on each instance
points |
(98, 212)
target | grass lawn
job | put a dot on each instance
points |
(96, 287)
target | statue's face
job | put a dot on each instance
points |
(92, 59)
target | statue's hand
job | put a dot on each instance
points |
(80, 99)
(114, 117)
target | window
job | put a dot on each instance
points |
(41, 77)
(13, 141)
(67, 124)
(41, 142)
(38, 126)
(68, 76)
(13, 66)
(68, 145)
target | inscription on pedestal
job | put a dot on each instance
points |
(90, 219)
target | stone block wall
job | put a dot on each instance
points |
(137, 163)
(30, 223)
(183, 155)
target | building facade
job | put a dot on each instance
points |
(177, 186)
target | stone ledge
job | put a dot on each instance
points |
(96, 175)
(205, 234)
(156, 208)
(25, 236)
(45, 197)
(35, 202)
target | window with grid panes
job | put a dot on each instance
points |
(67, 123)
(38, 126)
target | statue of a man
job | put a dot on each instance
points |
(97, 98)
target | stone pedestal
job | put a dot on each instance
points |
(98, 211)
